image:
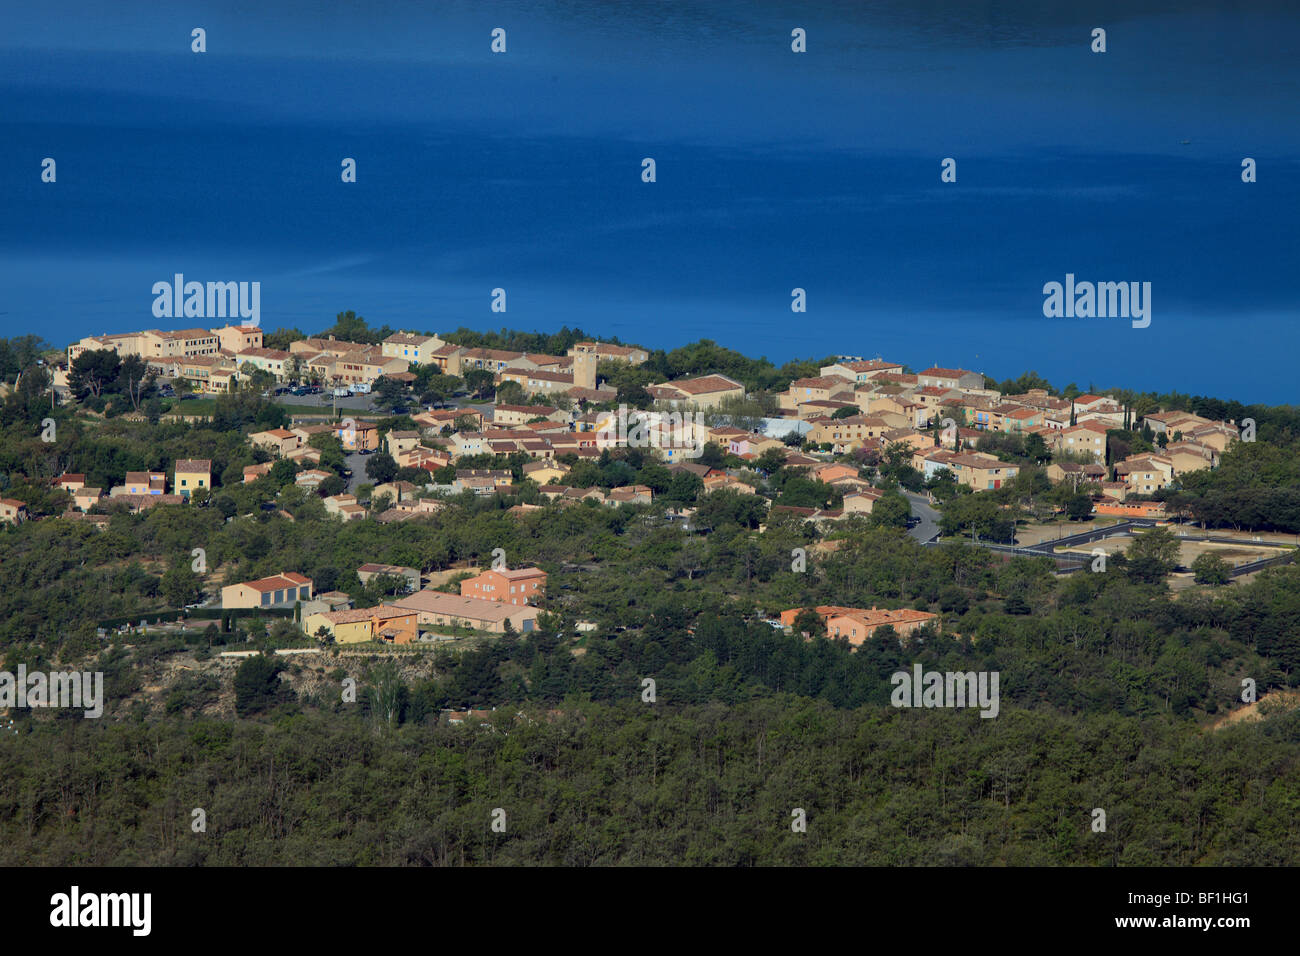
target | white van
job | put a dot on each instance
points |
(361, 388)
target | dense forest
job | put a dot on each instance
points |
(655, 784)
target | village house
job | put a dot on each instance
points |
(335, 503)
(143, 483)
(357, 436)
(152, 345)
(12, 511)
(856, 625)
(86, 498)
(272, 361)
(384, 623)
(236, 338)
(820, 389)
(859, 371)
(976, 470)
(514, 586)
(480, 480)
(1190, 456)
(191, 475)
(606, 352)
(491, 360)
(1089, 402)
(278, 441)
(366, 367)
(544, 472)
(860, 501)
(1088, 437)
(752, 445)
(955, 378)
(327, 346)
(312, 478)
(410, 346)
(409, 576)
(830, 471)
(629, 495)
(707, 391)
(1016, 420)
(395, 491)
(845, 434)
(438, 609)
(510, 415)
(721, 481)
(1076, 475)
(1145, 474)
(254, 472)
(538, 381)
(1215, 435)
(1166, 423)
(916, 441)
(279, 590)
(399, 442)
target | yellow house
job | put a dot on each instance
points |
(87, 498)
(392, 625)
(281, 441)
(191, 475)
(279, 590)
(145, 483)
(544, 472)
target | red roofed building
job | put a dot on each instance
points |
(276, 591)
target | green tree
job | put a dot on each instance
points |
(93, 372)
(390, 394)
(180, 585)
(479, 382)
(891, 511)
(283, 471)
(1152, 555)
(1209, 568)
(1078, 507)
(381, 467)
(257, 684)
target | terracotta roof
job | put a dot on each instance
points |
(383, 612)
(705, 384)
(474, 609)
(277, 582)
(937, 372)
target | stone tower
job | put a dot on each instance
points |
(584, 365)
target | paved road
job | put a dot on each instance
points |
(357, 462)
(927, 529)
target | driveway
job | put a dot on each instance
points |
(357, 462)
(927, 529)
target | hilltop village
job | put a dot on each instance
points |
(395, 429)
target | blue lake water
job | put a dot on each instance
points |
(775, 170)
